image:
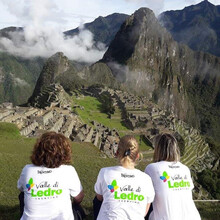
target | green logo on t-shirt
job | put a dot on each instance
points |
(47, 192)
(175, 181)
(127, 192)
(44, 189)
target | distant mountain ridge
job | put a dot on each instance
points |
(197, 26)
(103, 28)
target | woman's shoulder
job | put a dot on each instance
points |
(151, 166)
(109, 169)
(29, 166)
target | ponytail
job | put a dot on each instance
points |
(128, 150)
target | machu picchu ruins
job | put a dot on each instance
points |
(52, 111)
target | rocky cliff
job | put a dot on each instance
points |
(145, 59)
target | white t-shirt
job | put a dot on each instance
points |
(47, 192)
(173, 192)
(126, 193)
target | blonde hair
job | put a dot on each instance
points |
(128, 150)
(166, 148)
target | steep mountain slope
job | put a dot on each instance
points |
(197, 26)
(18, 77)
(57, 69)
(145, 58)
(103, 28)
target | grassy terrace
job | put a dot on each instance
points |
(92, 112)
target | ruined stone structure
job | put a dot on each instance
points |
(51, 96)
(101, 136)
(147, 119)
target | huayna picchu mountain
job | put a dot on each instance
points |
(57, 69)
(147, 61)
(197, 26)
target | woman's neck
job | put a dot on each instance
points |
(130, 166)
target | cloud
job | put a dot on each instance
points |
(41, 38)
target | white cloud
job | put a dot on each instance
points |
(42, 39)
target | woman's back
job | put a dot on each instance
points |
(126, 192)
(173, 191)
(49, 182)
(47, 191)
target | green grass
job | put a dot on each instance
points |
(92, 112)
(8, 130)
(143, 146)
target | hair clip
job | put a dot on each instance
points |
(127, 152)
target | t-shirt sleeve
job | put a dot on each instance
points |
(148, 170)
(75, 186)
(150, 191)
(98, 184)
(21, 181)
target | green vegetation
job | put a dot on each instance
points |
(18, 77)
(92, 111)
(107, 104)
(208, 210)
(9, 131)
(210, 180)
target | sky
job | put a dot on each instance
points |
(68, 14)
(45, 21)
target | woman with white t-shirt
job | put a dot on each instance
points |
(49, 182)
(172, 183)
(126, 192)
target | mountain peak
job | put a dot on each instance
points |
(205, 3)
(56, 65)
(140, 24)
(143, 12)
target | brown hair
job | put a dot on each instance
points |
(166, 148)
(51, 150)
(128, 150)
